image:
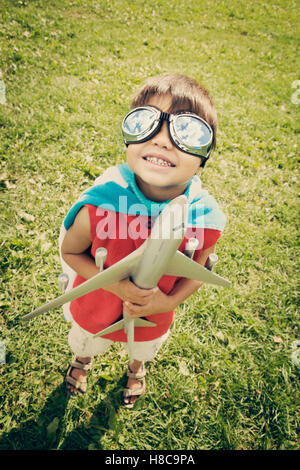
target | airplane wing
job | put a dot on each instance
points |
(114, 273)
(182, 266)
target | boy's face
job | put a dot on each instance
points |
(147, 161)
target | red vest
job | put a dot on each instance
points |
(99, 309)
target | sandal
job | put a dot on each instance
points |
(79, 385)
(129, 392)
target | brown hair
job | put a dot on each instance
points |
(186, 94)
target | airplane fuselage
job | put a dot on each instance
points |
(156, 257)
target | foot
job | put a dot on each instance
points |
(136, 383)
(76, 375)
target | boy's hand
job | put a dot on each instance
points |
(157, 302)
(140, 302)
(129, 292)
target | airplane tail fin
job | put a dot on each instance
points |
(122, 324)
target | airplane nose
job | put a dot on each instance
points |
(178, 217)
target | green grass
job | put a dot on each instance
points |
(225, 379)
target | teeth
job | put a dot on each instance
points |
(158, 161)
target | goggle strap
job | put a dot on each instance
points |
(164, 116)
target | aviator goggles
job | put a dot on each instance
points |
(188, 132)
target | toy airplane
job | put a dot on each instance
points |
(156, 257)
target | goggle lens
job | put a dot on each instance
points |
(139, 121)
(191, 131)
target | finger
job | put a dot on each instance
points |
(136, 301)
(133, 310)
(128, 312)
(145, 292)
(131, 315)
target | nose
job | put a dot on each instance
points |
(162, 138)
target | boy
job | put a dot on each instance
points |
(170, 133)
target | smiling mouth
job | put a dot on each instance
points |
(158, 161)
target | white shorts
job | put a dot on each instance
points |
(84, 344)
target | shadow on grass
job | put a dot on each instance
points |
(50, 427)
(33, 434)
(104, 419)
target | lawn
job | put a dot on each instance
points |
(225, 379)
